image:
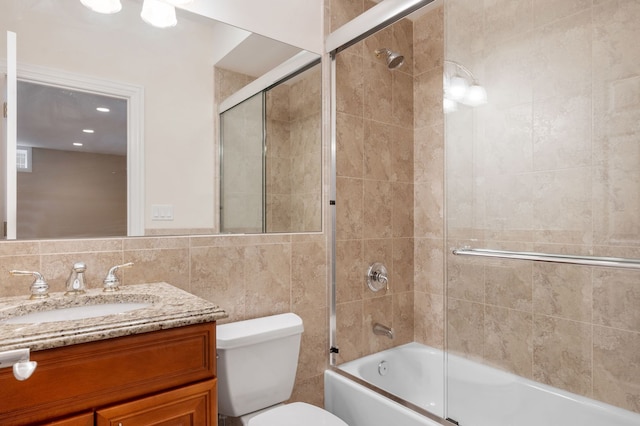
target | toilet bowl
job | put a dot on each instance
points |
(257, 363)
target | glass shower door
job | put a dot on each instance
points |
(242, 206)
(550, 165)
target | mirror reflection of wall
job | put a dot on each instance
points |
(276, 132)
(72, 168)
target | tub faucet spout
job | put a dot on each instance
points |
(383, 330)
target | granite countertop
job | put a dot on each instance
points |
(170, 308)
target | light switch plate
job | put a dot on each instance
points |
(161, 212)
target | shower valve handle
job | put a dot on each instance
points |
(377, 277)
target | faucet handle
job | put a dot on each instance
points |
(377, 277)
(79, 267)
(111, 281)
(39, 287)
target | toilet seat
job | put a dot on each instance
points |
(296, 414)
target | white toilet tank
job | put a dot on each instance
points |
(257, 362)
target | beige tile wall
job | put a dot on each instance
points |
(550, 164)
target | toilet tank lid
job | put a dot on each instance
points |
(248, 332)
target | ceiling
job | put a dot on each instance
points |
(256, 55)
(55, 117)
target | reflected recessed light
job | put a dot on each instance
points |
(88, 130)
(77, 144)
(103, 109)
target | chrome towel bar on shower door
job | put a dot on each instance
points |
(609, 262)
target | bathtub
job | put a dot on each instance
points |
(479, 395)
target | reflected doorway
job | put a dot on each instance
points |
(46, 120)
(71, 163)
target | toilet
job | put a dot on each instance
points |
(257, 363)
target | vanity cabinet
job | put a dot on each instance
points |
(162, 377)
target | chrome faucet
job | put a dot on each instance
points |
(111, 281)
(75, 282)
(382, 330)
(39, 287)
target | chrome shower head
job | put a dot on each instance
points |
(394, 59)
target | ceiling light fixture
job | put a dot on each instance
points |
(158, 13)
(88, 130)
(461, 86)
(78, 144)
(103, 6)
(103, 109)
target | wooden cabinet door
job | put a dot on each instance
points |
(194, 405)
(85, 419)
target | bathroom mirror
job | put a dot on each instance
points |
(181, 74)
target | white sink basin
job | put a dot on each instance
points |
(76, 313)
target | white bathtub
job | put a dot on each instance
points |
(359, 406)
(478, 395)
